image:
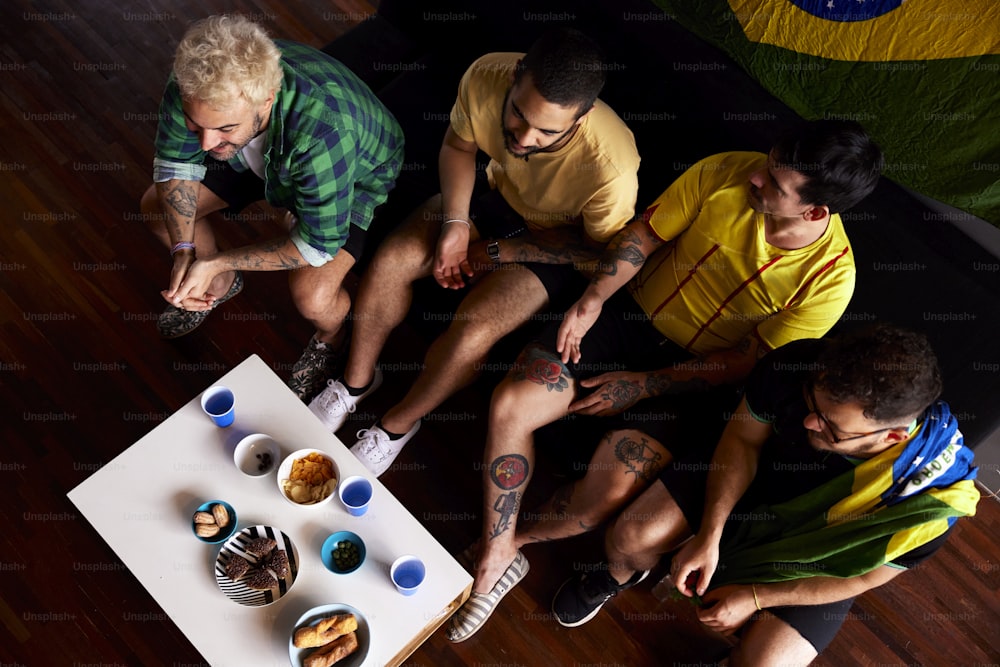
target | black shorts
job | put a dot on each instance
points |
(685, 480)
(623, 339)
(495, 219)
(239, 189)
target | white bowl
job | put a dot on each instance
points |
(285, 470)
(297, 656)
(256, 455)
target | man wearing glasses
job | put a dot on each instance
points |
(839, 470)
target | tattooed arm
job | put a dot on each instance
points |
(564, 245)
(616, 392)
(180, 205)
(625, 255)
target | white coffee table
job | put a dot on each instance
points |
(141, 503)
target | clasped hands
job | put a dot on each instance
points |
(190, 279)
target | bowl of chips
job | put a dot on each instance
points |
(308, 477)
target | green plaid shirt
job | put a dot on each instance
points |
(331, 154)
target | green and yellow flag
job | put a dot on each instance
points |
(922, 76)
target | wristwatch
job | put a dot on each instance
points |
(493, 251)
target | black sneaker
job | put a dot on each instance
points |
(580, 597)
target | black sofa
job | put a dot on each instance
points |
(915, 268)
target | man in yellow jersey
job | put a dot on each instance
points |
(562, 181)
(742, 254)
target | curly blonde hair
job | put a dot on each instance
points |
(223, 58)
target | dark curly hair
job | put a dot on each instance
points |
(566, 68)
(891, 372)
(841, 162)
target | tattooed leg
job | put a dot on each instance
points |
(625, 463)
(540, 366)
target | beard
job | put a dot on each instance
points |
(508, 142)
(228, 150)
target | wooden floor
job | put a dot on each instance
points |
(83, 375)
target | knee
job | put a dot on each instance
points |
(319, 301)
(401, 257)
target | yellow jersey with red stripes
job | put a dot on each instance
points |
(717, 280)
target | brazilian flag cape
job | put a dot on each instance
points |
(888, 505)
(922, 76)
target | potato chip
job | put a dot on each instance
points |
(310, 480)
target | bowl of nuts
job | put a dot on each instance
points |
(214, 522)
(343, 552)
(307, 477)
(256, 455)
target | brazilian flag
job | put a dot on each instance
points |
(922, 76)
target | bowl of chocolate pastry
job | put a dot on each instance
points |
(331, 634)
(257, 566)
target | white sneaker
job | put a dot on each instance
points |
(377, 451)
(333, 404)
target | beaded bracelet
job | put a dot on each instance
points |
(464, 222)
(183, 245)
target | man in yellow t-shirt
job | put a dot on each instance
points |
(562, 180)
(743, 253)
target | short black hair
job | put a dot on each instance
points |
(891, 372)
(566, 68)
(841, 162)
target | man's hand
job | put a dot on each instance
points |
(700, 558)
(451, 257)
(616, 392)
(192, 292)
(727, 608)
(575, 325)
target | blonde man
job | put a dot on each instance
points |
(281, 122)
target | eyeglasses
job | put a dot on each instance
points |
(827, 427)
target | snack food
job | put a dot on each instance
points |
(260, 547)
(277, 562)
(324, 632)
(220, 515)
(310, 480)
(271, 565)
(333, 652)
(237, 567)
(206, 530)
(261, 579)
(346, 555)
(210, 523)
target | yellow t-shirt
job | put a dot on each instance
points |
(718, 280)
(593, 178)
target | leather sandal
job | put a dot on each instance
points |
(472, 615)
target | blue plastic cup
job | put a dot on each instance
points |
(219, 403)
(355, 492)
(407, 573)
